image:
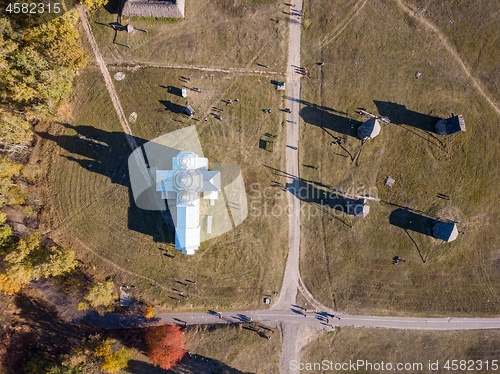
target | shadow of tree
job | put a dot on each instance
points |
(112, 6)
(51, 334)
(119, 321)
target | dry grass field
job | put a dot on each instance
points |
(221, 33)
(93, 210)
(406, 347)
(371, 52)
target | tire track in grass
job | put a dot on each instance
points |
(342, 25)
(95, 253)
(450, 49)
(248, 71)
(107, 79)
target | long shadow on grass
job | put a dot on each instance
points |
(410, 221)
(190, 364)
(400, 115)
(334, 123)
(327, 119)
(322, 199)
(172, 107)
(106, 153)
(407, 220)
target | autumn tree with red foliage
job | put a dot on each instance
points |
(165, 345)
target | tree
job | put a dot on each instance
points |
(101, 293)
(5, 234)
(149, 313)
(112, 359)
(5, 238)
(15, 133)
(96, 355)
(37, 63)
(39, 364)
(94, 4)
(165, 345)
(27, 261)
(9, 193)
(58, 41)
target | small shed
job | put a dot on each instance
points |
(184, 93)
(452, 125)
(358, 208)
(280, 86)
(189, 111)
(369, 129)
(446, 231)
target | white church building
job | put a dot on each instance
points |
(182, 186)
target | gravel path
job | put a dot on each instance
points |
(107, 79)
(294, 335)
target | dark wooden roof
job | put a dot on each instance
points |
(450, 125)
(446, 231)
(154, 8)
(369, 129)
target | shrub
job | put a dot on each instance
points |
(165, 345)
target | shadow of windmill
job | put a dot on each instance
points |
(322, 199)
(418, 223)
(342, 129)
(422, 125)
(128, 28)
(115, 7)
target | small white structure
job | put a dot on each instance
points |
(369, 129)
(209, 224)
(189, 177)
(184, 93)
(280, 86)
